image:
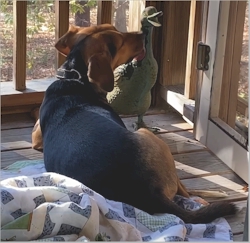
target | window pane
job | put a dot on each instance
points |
(41, 54)
(243, 81)
(6, 43)
(242, 106)
(83, 13)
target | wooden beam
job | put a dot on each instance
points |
(62, 25)
(20, 103)
(219, 58)
(174, 42)
(19, 109)
(194, 36)
(231, 70)
(176, 99)
(234, 83)
(104, 12)
(157, 50)
(205, 8)
(246, 228)
(188, 82)
(19, 46)
(24, 98)
(224, 97)
(13, 101)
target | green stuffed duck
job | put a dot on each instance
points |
(133, 81)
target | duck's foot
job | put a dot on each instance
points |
(138, 125)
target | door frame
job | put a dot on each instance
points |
(210, 130)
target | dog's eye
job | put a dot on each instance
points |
(112, 49)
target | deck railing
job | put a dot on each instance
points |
(61, 26)
(105, 12)
(20, 95)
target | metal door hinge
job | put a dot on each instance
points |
(202, 60)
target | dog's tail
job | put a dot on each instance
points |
(211, 212)
(205, 214)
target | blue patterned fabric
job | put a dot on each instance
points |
(52, 207)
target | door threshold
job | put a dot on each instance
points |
(174, 96)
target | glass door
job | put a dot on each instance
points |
(222, 112)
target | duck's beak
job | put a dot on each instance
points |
(153, 19)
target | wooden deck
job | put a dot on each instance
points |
(197, 167)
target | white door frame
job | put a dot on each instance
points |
(210, 130)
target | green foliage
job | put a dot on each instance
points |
(92, 3)
(40, 20)
(41, 12)
(5, 7)
(76, 6)
(243, 95)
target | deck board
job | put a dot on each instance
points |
(9, 157)
(10, 121)
(16, 132)
(237, 222)
(196, 166)
(199, 163)
(228, 182)
(166, 122)
(238, 237)
(16, 138)
(178, 142)
(181, 142)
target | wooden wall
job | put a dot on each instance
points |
(170, 43)
(157, 38)
(174, 41)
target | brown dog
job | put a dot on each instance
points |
(74, 35)
(86, 140)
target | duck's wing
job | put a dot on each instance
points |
(124, 72)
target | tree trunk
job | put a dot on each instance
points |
(83, 19)
(120, 20)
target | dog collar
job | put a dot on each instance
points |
(68, 74)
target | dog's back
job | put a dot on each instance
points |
(90, 139)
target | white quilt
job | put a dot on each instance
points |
(42, 206)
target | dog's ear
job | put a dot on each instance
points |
(75, 34)
(68, 40)
(100, 71)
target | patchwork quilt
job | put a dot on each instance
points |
(42, 206)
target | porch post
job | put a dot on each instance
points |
(245, 232)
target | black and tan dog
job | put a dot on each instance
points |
(83, 138)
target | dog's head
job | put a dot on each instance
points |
(103, 48)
